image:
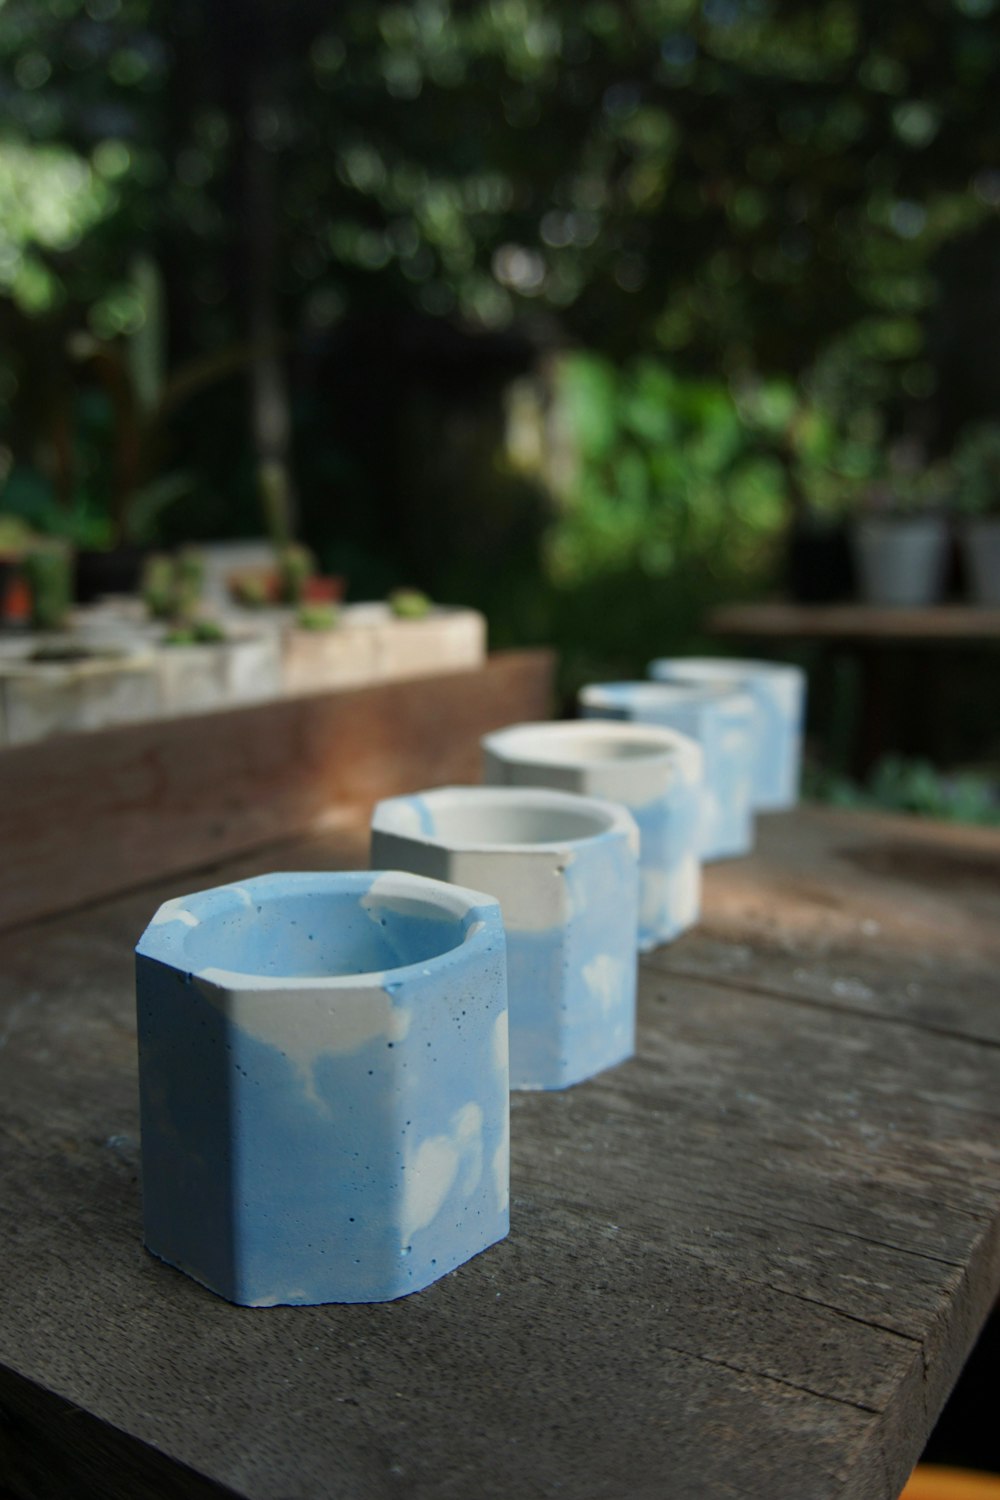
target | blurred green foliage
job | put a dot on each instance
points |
(733, 211)
(977, 470)
(913, 786)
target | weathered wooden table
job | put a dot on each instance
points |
(748, 1263)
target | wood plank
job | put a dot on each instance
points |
(751, 1261)
(87, 815)
(895, 917)
(941, 622)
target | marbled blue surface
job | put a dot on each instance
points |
(722, 722)
(670, 864)
(571, 970)
(779, 694)
(653, 772)
(572, 988)
(308, 1139)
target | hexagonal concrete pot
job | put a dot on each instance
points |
(655, 773)
(722, 721)
(107, 686)
(565, 871)
(779, 693)
(324, 1085)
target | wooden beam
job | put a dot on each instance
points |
(941, 623)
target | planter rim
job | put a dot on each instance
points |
(664, 694)
(479, 914)
(102, 661)
(728, 669)
(521, 742)
(613, 817)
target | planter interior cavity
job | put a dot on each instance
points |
(778, 690)
(721, 718)
(565, 871)
(324, 1085)
(655, 773)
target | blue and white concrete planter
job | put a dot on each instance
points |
(722, 721)
(565, 870)
(655, 773)
(324, 1085)
(779, 693)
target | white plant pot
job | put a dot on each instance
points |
(565, 871)
(723, 722)
(980, 537)
(318, 661)
(655, 773)
(44, 698)
(900, 560)
(324, 1085)
(446, 640)
(202, 677)
(779, 694)
(253, 665)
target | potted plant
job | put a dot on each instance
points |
(977, 499)
(16, 537)
(417, 637)
(203, 664)
(48, 568)
(326, 649)
(900, 536)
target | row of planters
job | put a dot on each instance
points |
(131, 658)
(351, 1039)
(911, 532)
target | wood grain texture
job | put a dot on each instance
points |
(942, 622)
(87, 815)
(748, 1263)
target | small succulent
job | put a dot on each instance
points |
(172, 586)
(48, 568)
(201, 632)
(296, 565)
(409, 604)
(251, 588)
(317, 617)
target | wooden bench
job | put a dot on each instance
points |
(748, 1263)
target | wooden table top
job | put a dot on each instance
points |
(941, 622)
(748, 1263)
